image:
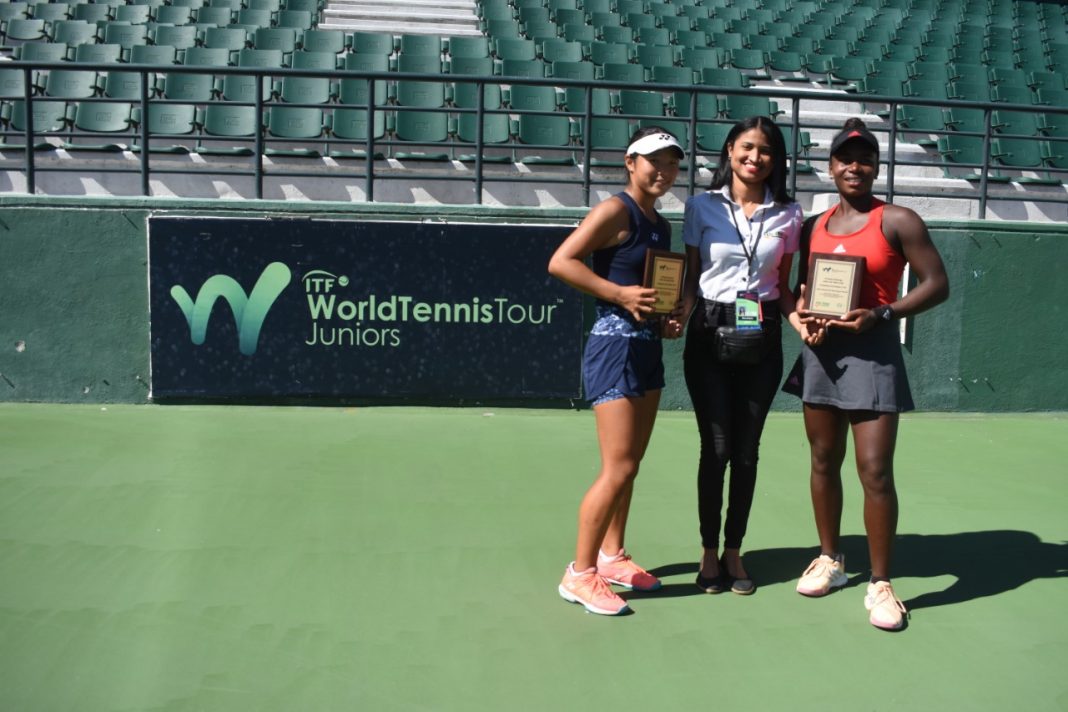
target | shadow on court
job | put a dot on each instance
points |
(984, 564)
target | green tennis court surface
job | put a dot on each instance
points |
(233, 558)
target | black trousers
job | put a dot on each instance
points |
(730, 402)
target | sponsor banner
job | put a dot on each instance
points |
(308, 308)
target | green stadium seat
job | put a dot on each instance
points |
(801, 45)
(372, 43)
(754, 62)
(126, 85)
(91, 12)
(636, 102)
(699, 59)
(568, 16)
(650, 56)
(423, 129)
(191, 88)
(654, 36)
(764, 43)
(542, 131)
(234, 5)
(726, 41)
(280, 38)
(962, 158)
(153, 54)
(229, 129)
(970, 90)
(523, 68)
(620, 72)
(579, 33)
(356, 91)
(311, 6)
(468, 47)
(349, 126)
(787, 66)
(296, 19)
(74, 33)
(677, 24)
(97, 53)
(1012, 93)
(262, 58)
(71, 84)
(177, 15)
(605, 52)
(315, 40)
(738, 107)
(242, 88)
(314, 60)
(723, 77)
(495, 29)
(1046, 80)
(50, 11)
(478, 66)
(534, 14)
(20, 29)
(225, 38)
(218, 16)
(254, 18)
(690, 39)
(851, 70)
(134, 14)
(929, 71)
(171, 128)
(13, 83)
(125, 34)
(14, 11)
(616, 34)
(560, 50)
(192, 4)
(50, 119)
(572, 70)
(523, 50)
(710, 26)
(495, 127)
(295, 123)
(94, 117)
(180, 37)
(206, 57)
(307, 90)
(419, 93)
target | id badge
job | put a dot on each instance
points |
(747, 310)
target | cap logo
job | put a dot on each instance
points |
(854, 133)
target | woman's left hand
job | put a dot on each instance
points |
(673, 325)
(858, 321)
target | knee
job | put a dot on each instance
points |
(876, 476)
(620, 472)
(825, 461)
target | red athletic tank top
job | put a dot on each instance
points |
(883, 264)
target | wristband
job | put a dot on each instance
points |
(884, 312)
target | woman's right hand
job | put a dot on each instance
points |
(637, 300)
(812, 329)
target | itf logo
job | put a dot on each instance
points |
(249, 309)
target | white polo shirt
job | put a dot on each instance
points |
(716, 225)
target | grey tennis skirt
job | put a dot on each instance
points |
(854, 372)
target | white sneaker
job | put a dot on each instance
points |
(822, 576)
(887, 610)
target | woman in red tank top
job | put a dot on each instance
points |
(850, 374)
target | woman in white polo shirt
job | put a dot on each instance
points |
(740, 239)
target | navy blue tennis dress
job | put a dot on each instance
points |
(624, 356)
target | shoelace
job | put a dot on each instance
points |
(819, 565)
(884, 592)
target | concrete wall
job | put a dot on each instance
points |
(74, 302)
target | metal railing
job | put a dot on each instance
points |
(580, 147)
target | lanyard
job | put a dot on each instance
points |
(750, 250)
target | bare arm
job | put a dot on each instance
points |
(906, 231)
(606, 225)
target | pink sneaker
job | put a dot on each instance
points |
(822, 576)
(592, 591)
(622, 571)
(887, 610)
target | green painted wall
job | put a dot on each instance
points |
(74, 302)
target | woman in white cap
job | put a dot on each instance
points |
(622, 368)
(853, 378)
(741, 236)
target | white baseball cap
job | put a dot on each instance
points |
(654, 142)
